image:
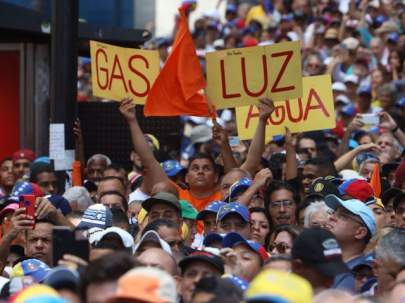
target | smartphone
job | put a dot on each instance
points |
(28, 202)
(370, 119)
(68, 241)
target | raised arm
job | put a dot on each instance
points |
(291, 156)
(387, 122)
(266, 107)
(355, 124)
(346, 159)
(153, 173)
(221, 138)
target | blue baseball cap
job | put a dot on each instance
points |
(348, 110)
(357, 208)
(96, 215)
(233, 208)
(60, 203)
(393, 37)
(34, 268)
(211, 208)
(211, 238)
(231, 8)
(364, 90)
(233, 238)
(172, 167)
(238, 282)
(239, 187)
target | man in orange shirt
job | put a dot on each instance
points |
(202, 179)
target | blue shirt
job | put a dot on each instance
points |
(345, 281)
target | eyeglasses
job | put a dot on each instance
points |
(345, 216)
(282, 203)
(281, 247)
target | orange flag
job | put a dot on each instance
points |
(375, 180)
(176, 90)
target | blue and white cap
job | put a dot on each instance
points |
(356, 207)
(97, 215)
(211, 208)
(233, 208)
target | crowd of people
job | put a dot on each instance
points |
(309, 217)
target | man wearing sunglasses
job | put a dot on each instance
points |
(353, 224)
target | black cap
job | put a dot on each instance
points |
(322, 187)
(162, 197)
(318, 248)
(202, 256)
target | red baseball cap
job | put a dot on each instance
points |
(24, 154)
(357, 189)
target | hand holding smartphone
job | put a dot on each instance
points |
(28, 202)
(370, 119)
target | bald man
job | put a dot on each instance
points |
(157, 257)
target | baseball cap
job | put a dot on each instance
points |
(146, 284)
(239, 187)
(318, 248)
(97, 215)
(25, 188)
(172, 167)
(187, 210)
(351, 43)
(153, 236)
(357, 208)
(232, 239)
(211, 208)
(62, 277)
(24, 153)
(126, 238)
(357, 189)
(38, 293)
(342, 99)
(212, 238)
(339, 86)
(202, 256)
(233, 207)
(30, 267)
(162, 197)
(348, 110)
(364, 90)
(238, 282)
(351, 78)
(322, 187)
(9, 208)
(60, 203)
(279, 287)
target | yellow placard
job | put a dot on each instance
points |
(314, 111)
(237, 77)
(118, 72)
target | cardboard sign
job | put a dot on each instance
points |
(238, 77)
(314, 111)
(119, 72)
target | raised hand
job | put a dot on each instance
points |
(386, 121)
(20, 221)
(127, 109)
(266, 107)
(219, 134)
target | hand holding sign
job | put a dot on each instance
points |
(266, 107)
